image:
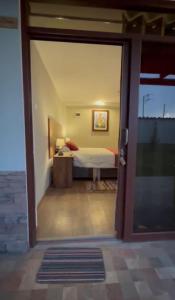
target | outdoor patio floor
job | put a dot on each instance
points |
(133, 271)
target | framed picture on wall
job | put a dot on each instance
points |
(100, 120)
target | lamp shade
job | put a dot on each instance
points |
(60, 142)
(67, 139)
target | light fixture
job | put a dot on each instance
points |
(67, 139)
(99, 103)
(59, 145)
(60, 18)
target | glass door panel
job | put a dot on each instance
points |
(154, 207)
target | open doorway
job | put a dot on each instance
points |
(76, 129)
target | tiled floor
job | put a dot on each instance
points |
(135, 271)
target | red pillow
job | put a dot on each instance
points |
(72, 146)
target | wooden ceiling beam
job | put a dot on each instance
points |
(144, 5)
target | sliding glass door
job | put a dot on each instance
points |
(154, 195)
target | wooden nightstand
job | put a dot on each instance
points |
(62, 170)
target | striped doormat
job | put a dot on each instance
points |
(68, 265)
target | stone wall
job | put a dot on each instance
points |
(13, 212)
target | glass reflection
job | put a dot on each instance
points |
(155, 169)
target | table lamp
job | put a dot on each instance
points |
(59, 144)
(67, 139)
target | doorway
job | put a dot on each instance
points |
(72, 85)
(126, 208)
(127, 90)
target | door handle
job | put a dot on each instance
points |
(126, 136)
(124, 143)
(122, 158)
(122, 161)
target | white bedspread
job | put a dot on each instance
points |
(94, 158)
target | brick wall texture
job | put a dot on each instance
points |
(13, 212)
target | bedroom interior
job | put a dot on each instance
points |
(76, 120)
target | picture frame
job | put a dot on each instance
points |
(100, 120)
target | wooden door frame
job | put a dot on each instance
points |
(129, 235)
(135, 41)
(124, 112)
(161, 6)
(66, 36)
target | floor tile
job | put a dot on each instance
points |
(70, 293)
(166, 272)
(132, 273)
(143, 289)
(114, 291)
(129, 291)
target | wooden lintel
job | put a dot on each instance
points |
(8, 22)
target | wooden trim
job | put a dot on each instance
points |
(28, 125)
(54, 132)
(55, 34)
(132, 142)
(144, 5)
(159, 81)
(124, 108)
(49, 141)
(68, 36)
(162, 6)
(76, 18)
(129, 235)
(8, 22)
(151, 236)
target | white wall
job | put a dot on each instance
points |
(79, 129)
(12, 148)
(45, 103)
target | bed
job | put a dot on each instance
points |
(96, 159)
(86, 161)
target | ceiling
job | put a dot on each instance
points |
(83, 73)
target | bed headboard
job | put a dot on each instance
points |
(54, 131)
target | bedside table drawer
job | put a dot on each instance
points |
(62, 171)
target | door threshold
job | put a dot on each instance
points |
(77, 241)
